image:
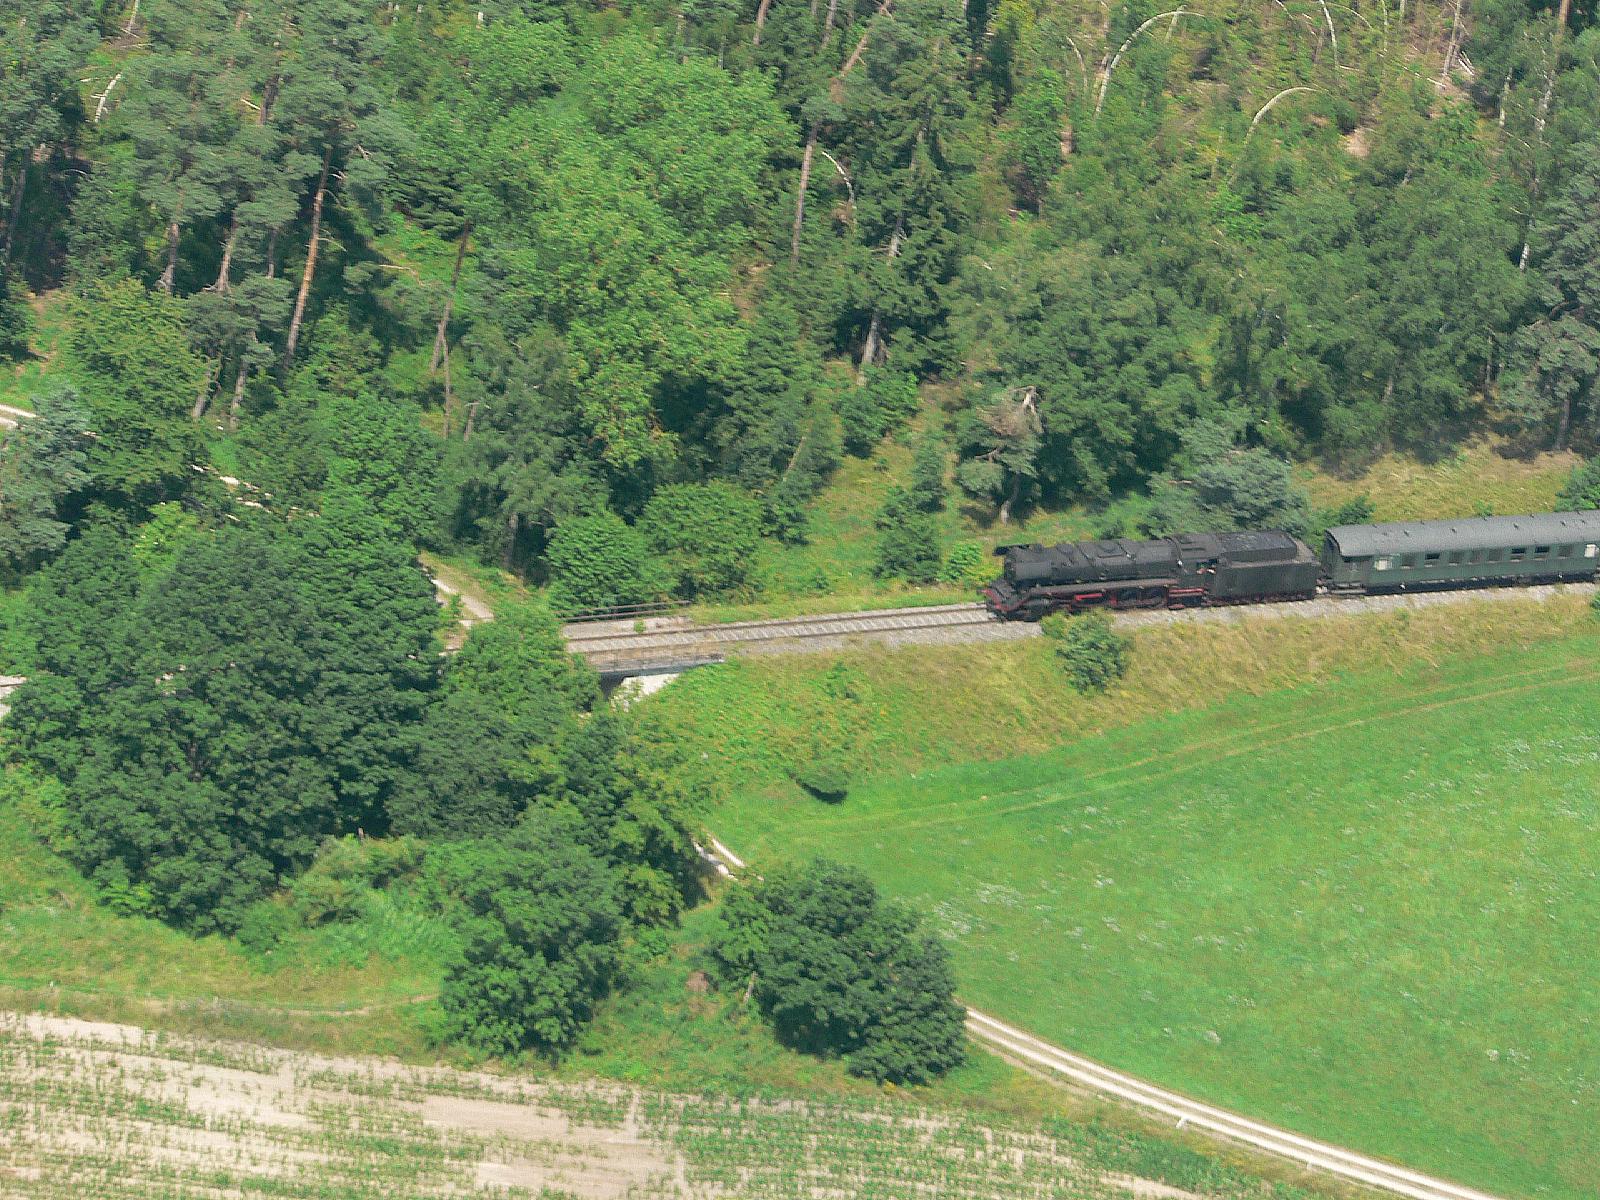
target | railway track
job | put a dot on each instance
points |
(676, 643)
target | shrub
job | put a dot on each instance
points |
(908, 540)
(839, 971)
(927, 474)
(265, 926)
(814, 581)
(966, 563)
(1582, 490)
(826, 779)
(707, 535)
(599, 561)
(879, 406)
(1355, 511)
(319, 899)
(15, 319)
(1094, 655)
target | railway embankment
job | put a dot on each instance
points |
(676, 643)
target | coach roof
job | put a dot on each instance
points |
(1466, 533)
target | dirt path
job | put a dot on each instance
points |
(1009, 1041)
(476, 610)
(1015, 1045)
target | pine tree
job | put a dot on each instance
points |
(1555, 374)
(909, 135)
(332, 109)
(43, 46)
(181, 115)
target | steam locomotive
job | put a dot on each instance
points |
(1257, 567)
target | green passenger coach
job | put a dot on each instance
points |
(1469, 552)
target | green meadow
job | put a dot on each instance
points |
(1363, 907)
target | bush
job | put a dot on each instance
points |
(966, 563)
(886, 401)
(840, 972)
(908, 540)
(599, 561)
(1582, 490)
(1095, 655)
(707, 535)
(1355, 511)
(317, 899)
(15, 320)
(826, 779)
(927, 474)
(265, 926)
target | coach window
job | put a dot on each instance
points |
(1384, 563)
(1520, 553)
(1475, 557)
(1456, 557)
(1491, 556)
(1591, 550)
(1431, 560)
(1541, 551)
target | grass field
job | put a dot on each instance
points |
(343, 988)
(1361, 907)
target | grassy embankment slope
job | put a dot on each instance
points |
(21, 381)
(1354, 902)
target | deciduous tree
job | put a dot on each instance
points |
(540, 929)
(42, 467)
(839, 971)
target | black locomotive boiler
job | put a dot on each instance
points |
(1170, 572)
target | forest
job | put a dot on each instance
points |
(593, 292)
(605, 295)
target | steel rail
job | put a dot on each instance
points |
(777, 626)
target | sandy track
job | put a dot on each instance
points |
(1018, 1046)
(1358, 1168)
